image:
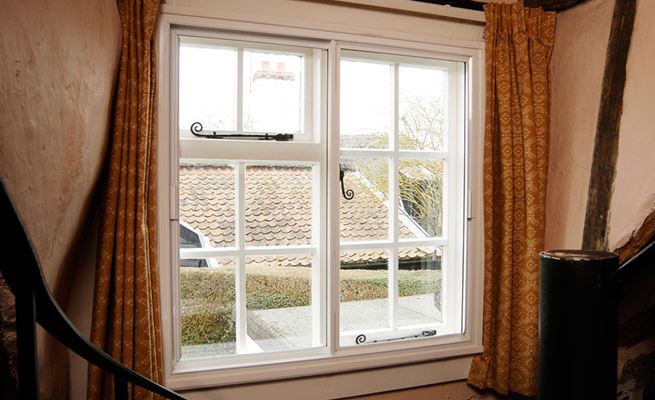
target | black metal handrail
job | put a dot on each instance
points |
(21, 270)
(629, 269)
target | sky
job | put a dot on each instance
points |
(208, 87)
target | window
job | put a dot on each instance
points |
(258, 201)
(240, 87)
(320, 203)
(401, 259)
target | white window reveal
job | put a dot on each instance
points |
(319, 203)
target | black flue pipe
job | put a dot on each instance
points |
(578, 325)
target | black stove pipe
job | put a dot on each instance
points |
(578, 325)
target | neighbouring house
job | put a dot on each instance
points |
(279, 212)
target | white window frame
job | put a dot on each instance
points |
(240, 154)
(240, 43)
(451, 240)
(202, 373)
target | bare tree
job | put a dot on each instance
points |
(421, 123)
(420, 181)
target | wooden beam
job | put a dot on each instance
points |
(638, 239)
(548, 5)
(468, 4)
(553, 5)
(603, 169)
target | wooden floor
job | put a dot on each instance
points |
(449, 391)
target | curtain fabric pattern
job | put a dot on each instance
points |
(518, 45)
(126, 320)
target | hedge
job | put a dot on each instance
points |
(207, 295)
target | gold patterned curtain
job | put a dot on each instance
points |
(518, 45)
(126, 320)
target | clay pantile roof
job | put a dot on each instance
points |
(279, 211)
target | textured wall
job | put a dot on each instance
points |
(329, 15)
(634, 187)
(577, 73)
(58, 60)
(634, 193)
(577, 67)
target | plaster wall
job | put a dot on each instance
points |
(633, 196)
(577, 72)
(577, 66)
(58, 62)
(634, 186)
(331, 15)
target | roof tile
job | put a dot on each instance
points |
(279, 210)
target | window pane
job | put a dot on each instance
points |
(366, 104)
(272, 96)
(207, 312)
(278, 205)
(207, 86)
(422, 109)
(366, 215)
(279, 302)
(419, 285)
(364, 291)
(421, 195)
(206, 205)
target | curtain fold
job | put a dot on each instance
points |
(518, 45)
(126, 320)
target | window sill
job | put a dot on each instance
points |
(192, 374)
(346, 384)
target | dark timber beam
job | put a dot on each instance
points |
(639, 239)
(548, 5)
(603, 169)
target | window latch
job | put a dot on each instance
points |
(196, 129)
(361, 338)
(347, 194)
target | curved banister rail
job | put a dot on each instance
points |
(21, 270)
(629, 269)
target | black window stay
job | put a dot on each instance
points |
(196, 129)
